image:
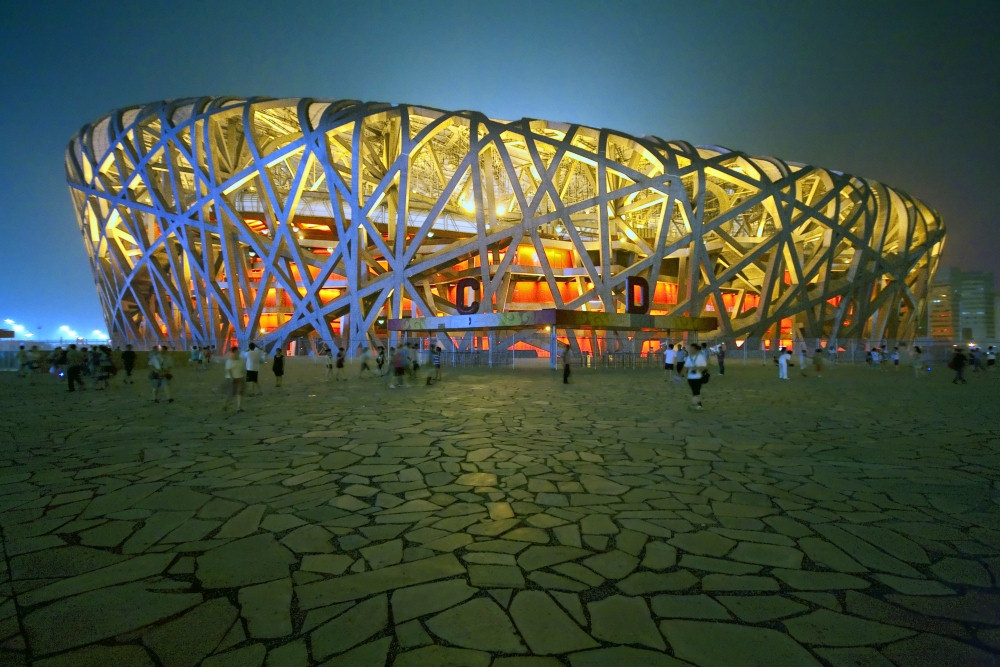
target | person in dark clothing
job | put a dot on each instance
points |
(278, 366)
(128, 363)
(75, 360)
(957, 364)
(566, 363)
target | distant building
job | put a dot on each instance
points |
(963, 306)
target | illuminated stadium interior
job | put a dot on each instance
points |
(217, 220)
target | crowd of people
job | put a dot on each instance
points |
(401, 365)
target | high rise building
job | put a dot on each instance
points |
(963, 306)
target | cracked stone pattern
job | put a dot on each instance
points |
(500, 518)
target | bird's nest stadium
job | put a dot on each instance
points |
(220, 220)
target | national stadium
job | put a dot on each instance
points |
(221, 220)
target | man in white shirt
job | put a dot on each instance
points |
(669, 355)
(783, 358)
(254, 357)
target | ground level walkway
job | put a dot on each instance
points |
(502, 518)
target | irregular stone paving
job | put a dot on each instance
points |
(502, 518)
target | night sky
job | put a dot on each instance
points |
(906, 93)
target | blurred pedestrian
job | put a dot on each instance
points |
(236, 376)
(161, 366)
(696, 366)
(278, 366)
(957, 364)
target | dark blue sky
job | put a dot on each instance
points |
(907, 93)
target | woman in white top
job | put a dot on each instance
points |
(236, 374)
(696, 365)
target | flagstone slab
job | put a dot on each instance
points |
(767, 554)
(246, 522)
(807, 580)
(760, 608)
(597, 485)
(434, 656)
(131, 569)
(97, 656)
(927, 649)
(99, 614)
(251, 560)
(827, 555)
(689, 606)
(415, 601)
(616, 655)
(709, 644)
(478, 624)
(266, 608)
(545, 626)
(245, 656)
(827, 628)
(613, 564)
(310, 539)
(624, 620)
(914, 586)
(644, 583)
(535, 556)
(865, 553)
(859, 604)
(962, 571)
(973, 607)
(356, 586)
(496, 576)
(66, 561)
(477, 479)
(733, 582)
(703, 543)
(189, 639)
(120, 499)
(354, 626)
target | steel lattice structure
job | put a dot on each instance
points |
(212, 219)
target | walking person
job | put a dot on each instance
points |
(328, 353)
(366, 358)
(22, 362)
(669, 356)
(254, 357)
(278, 366)
(161, 366)
(720, 357)
(398, 362)
(74, 367)
(818, 362)
(236, 375)
(696, 366)
(917, 360)
(802, 360)
(341, 357)
(680, 357)
(957, 364)
(783, 358)
(128, 363)
(566, 363)
(380, 361)
(437, 363)
(991, 357)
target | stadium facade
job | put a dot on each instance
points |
(214, 220)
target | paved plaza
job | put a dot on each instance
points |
(502, 518)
